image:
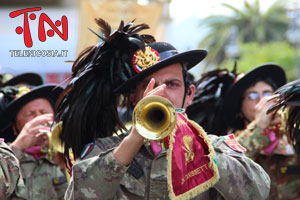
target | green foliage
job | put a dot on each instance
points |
(252, 24)
(254, 54)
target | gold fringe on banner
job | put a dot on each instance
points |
(202, 187)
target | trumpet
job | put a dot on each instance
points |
(56, 145)
(154, 117)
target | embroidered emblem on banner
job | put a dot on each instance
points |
(233, 144)
(144, 59)
(191, 168)
(188, 148)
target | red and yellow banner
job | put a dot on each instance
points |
(191, 166)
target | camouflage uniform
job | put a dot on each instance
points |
(43, 178)
(283, 185)
(99, 176)
(10, 174)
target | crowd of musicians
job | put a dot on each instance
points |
(234, 136)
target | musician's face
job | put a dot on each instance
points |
(252, 96)
(172, 77)
(31, 110)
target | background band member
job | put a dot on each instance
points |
(260, 133)
(29, 115)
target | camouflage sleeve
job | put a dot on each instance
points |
(252, 139)
(43, 178)
(21, 155)
(97, 177)
(240, 177)
(10, 175)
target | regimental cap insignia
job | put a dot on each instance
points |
(21, 91)
(145, 59)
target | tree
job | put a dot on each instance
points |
(254, 54)
(252, 24)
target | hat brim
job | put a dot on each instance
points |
(50, 92)
(233, 98)
(189, 58)
(27, 78)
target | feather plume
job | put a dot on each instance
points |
(95, 34)
(105, 28)
(88, 105)
(288, 97)
(206, 108)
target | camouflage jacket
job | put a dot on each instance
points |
(10, 174)
(285, 179)
(43, 178)
(99, 176)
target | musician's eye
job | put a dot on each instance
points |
(173, 84)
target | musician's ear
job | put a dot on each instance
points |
(190, 96)
(133, 99)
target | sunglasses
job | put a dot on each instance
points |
(253, 96)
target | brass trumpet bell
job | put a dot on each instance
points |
(55, 143)
(154, 117)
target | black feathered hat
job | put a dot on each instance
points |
(27, 94)
(104, 71)
(207, 106)
(25, 78)
(233, 98)
(154, 57)
(88, 105)
(22, 95)
(288, 97)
